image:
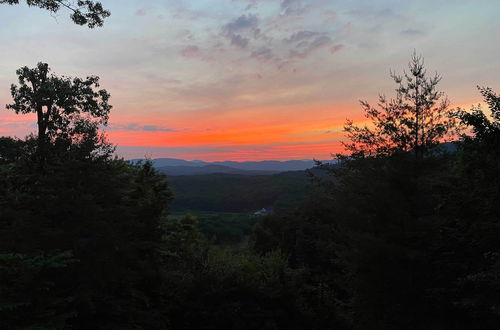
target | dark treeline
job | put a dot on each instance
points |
(400, 235)
(238, 193)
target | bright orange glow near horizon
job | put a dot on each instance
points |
(243, 138)
(294, 133)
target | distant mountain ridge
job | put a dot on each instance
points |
(174, 166)
(209, 169)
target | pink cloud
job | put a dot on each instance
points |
(192, 52)
(335, 49)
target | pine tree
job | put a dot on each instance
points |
(416, 119)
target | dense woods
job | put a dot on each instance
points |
(385, 240)
(239, 193)
(401, 233)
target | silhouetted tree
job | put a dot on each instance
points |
(83, 12)
(29, 297)
(470, 253)
(107, 214)
(10, 149)
(417, 118)
(66, 108)
(85, 230)
(373, 238)
(208, 287)
(482, 126)
(310, 238)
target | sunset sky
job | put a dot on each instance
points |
(250, 79)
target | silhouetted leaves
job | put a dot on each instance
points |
(69, 111)
(417, 118)
(83, 12)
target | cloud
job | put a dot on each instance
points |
(138, 127)
(181, 10)
(140, 12)
(239, 41)
(240, 30)
(319, 42)
(162, 80)
(330, 16)
(337, 48)
(185, 34)
(412, 32)
(292, 7)
(301, 35)
(306, 48)
(242, 23)
(252, 4)
(263, 54)
(153, 128)
(192, 52)
(366, 12)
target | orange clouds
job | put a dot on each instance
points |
(280, 133)
(272, 133)
(16, 125)
(296, 151)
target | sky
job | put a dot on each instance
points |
(249, 79)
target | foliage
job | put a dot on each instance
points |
(417, 118)
(69, 111)
(107, 213)
(310, 240)
(216, 288)
(223, 227)
(27, 287)
(473, 217)
(402, 244)
(238, 193)
(11, 150)
(482, 127)
(104, 211)
(83, 12)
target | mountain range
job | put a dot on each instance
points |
(175, 167)
(178, 167)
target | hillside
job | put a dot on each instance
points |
(208, 169)
(238, 193)
(174, 166)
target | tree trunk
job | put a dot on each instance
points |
(42, 135)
